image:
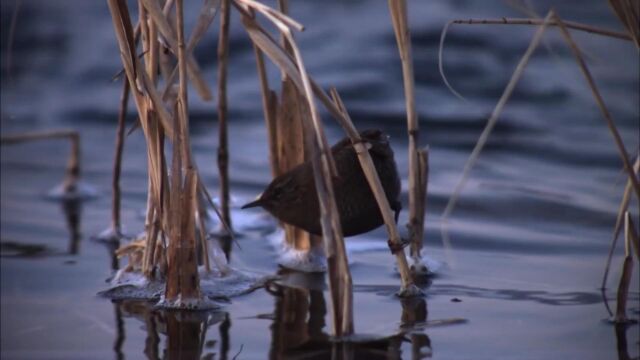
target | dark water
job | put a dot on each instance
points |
(529, 235)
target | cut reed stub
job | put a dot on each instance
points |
(631, 241)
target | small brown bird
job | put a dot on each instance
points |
(292, 197)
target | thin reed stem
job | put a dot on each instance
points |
(533, 45)
(408, 288)
(398, 10)
(117, 160)
(601, 104)
(223, 143)
(537, 22)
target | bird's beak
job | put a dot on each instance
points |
(257, 202)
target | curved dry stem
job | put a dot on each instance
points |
(440, 63)
(488, 128)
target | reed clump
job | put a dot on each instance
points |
(168, 250)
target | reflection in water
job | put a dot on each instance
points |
(414, 314)
(224, 337)
(621, 341)
(184, 332)
(298, 331)
(72, 209)
(298, 319)
(120, 334)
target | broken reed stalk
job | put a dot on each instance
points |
(408, 288)
(628, 11)
(323, 170)
(600, 101)
(116, 224)
(631, 241)
(535, 41)
(183, 284)
(269, 107)
(157, 15)
(73, 164)
(285, 131)
(290, 137)
(398, 10)
(624, 205)
(223, 143)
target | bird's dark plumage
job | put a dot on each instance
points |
(292, 197)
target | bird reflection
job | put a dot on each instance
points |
(298, 328)
(185, 332)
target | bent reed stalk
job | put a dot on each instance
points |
(72, 174)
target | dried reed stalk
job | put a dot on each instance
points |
(537, 22)
(506, 21)
(73, 164)
(408, 288)
(284, 124)
(290, 145)
(116, 224)
(206, 16)
(535, 41)
(417, 192)
(631, 240)
(603, 108)
(269, 107)
(223, 143)
(624, 205)
(321, 161)
(628, 12)
(423, 172)
(279, 56)
(156, 13)
(183, 282)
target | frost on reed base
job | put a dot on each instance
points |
(168, 247)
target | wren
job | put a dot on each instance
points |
(292, 197)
